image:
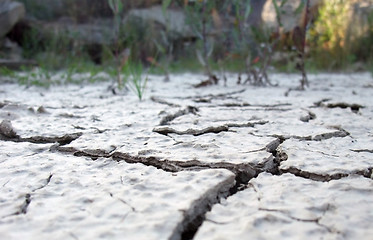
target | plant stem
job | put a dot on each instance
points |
(204, 39)
(304, 81)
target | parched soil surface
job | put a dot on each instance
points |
(218, 162)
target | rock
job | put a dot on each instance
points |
(308, 117)
(98, 31)
(7, 130)
(174, 19)
(272, 146)
(11, 50)
(16, 64)
(10, 13)
(81, 11)
(42, 109)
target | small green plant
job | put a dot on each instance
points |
(38, 76)
(41, 76)
(137, 82)
(6, 72)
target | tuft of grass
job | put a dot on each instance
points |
(136, 81)
(6, 72)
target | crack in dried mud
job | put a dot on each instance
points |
(340, 133)
(167, 119)
(271, 165)
(124, 202)
(23, 208)
(287, 214)
(193, 219)
(208, 98)
(265, 106)
(244, 172)
(45, 184)
(248, 124)
(270, 147)
(314, 176)
(367, 173)
(362, 150)
(195, 215)
(62, 140)
(354, 107)
(7, 133)
(316, 221)
(197, 132)
(161, 101)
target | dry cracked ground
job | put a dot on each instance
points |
(220, 162)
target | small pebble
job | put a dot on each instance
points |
(6, 129)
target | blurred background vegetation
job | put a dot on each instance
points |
(199, 35)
